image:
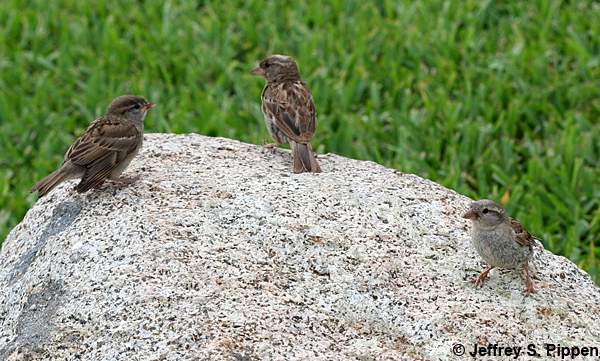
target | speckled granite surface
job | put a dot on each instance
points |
(219, 252)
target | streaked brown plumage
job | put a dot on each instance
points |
(289, 110)
(105, 149)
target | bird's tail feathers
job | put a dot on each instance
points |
(304, 158)
(52, 180)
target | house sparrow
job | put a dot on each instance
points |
(105, 149)
(289, 110)
(500, 240)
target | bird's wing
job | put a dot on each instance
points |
(98, 172)
(293, 110)
(523, 237)
(106, 138)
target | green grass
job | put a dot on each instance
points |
(496, 99)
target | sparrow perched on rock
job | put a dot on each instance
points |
(289, 110)
(500, 240)
(105, 149)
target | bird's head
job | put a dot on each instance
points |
(132, 107)
(277, 68)
(486, 213)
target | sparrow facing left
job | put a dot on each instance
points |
(105, 149)
(289, 110)
(500, 240)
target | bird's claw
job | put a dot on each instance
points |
(270, 145)
(482, 277)
(125, 181)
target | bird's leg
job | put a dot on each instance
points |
(529, 289)
(269, 145)
(482, 276)
(124, 181)
(101, 185)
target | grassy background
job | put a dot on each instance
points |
(497, 99)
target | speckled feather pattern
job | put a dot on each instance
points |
(499, 246)
(289, 111)
(105, 149)
(107, 134)
(290, 117)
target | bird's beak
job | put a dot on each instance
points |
(149, 106)
(258, 71)
(470, 214)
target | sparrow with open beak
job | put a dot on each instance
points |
(289, 110)
(500, 240)
(105, 149)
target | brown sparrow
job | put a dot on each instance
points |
(289, 110)
(105, 149)
(500, 240)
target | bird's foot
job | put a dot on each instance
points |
(270, 145)
(478, 282)
(482, 277)
(529, 289)
(125, 181)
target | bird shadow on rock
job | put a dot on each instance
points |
(63, 215)
(35, 325)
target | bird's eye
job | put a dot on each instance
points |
(136, 106)
(267, 65)
(485, 211)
